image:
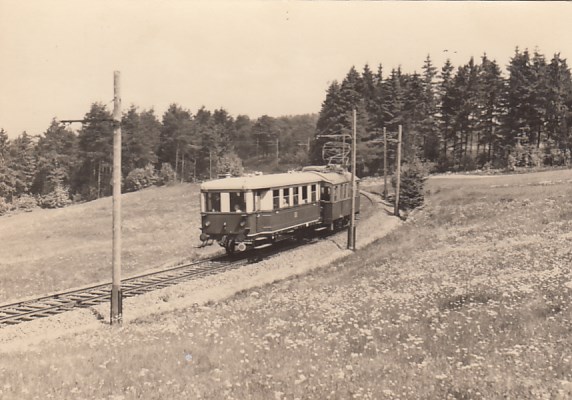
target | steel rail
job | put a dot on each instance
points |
(57, 303)
(11, 314)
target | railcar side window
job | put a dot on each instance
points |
(304, 194)
(295, 195)
(265, 200)
(213, 202)
(276, 198)
(286, 197)
(237, 202)
(314, 195)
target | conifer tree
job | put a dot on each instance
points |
(518, 96)
(96, 151)
(559, 111)
(243, 139)
(413, 116)
(141, 132)
(538, 99)
(57, 158)
(176, 136)
(7, 178)
(394, 99)
(491, 111)
(429, 127)
(369, 94)
(331, 121)
(446, 109)
(23, 163)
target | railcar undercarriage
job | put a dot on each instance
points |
(241, 243)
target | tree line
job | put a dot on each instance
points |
(455, 118)
(463, 118)
(62, 165)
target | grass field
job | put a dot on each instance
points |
(49, 250)
(470, 299)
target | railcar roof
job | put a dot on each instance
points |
(275, 180)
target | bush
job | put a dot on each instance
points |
(4, 206)
(468, 163)
(166, 174)
(230, 164)
(411, 192)
(25, 202)
(58, 198)
(140, 178)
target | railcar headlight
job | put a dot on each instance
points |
(242, 223)
(207, 223)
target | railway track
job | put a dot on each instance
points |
(46, 306)
(15, 313)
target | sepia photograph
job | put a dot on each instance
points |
(285, 200)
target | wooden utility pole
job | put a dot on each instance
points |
(210, 164)
(344, 151)
(384, 163)
(116, 297)
(352, 228)
(182, 168)
(277, 150)
(398, 173)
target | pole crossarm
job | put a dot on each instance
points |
(341, 135)
(382, 141)
(86, 121)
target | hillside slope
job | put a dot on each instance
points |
(49, 250)
(470, 299)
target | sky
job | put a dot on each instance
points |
(57, 57)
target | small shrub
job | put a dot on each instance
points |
(25, 202)
(411, 192)
(443, 164)
(166, 174)
(535, 158)
(58, 198)
(511, 162)
(230, 164)
(4, 206)
(140, 178)
(468, 163)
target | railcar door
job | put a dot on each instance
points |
(263, 210)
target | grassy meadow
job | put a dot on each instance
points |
(52, 250)
(470, 299)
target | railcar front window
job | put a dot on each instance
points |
(237, 202)
(213, 202)
(276, 198)
(325, 193)
(304, 194)
(314, 196)
(295, 195)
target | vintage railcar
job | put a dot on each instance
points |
(245, 212)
